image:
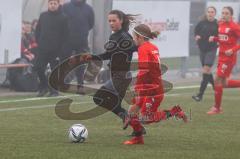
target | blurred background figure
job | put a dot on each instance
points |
(51, 32)
(28, 43)
(80, 21)
(207, 27)
(34, 25)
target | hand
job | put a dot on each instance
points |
(197, 37)
(86, 57)
(30, 56)
(229, 52)
(72, 60)
(211, 39)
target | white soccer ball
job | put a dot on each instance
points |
(78, 133)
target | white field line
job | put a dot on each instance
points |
(53, 105)
(45, 98)
(36, 99)
(88, 102)
(36, 107)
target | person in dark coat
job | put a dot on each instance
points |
(80, 21)
(51, 33)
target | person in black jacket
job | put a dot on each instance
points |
(204, 29)
(51, 32)
(119, 50)
(80, 21)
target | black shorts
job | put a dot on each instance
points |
(208, 58)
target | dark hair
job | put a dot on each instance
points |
(204, 17)
(126, 18)
(230, 9)
(145, 31)
(54, 0)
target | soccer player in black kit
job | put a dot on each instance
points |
(119, 50)
(204, 29)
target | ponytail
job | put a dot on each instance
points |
(154, 34)
(145, 31)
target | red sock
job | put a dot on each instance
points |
(218, 95)
(135, 124)
(160, 115)
(233, 84)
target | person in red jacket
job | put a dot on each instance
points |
(28, 44)
(228, 36)
(148, 87)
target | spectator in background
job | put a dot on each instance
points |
(80, 21)
(34, 25)
(51, 32)
(204, 29)
(28, 43)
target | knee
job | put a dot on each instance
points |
(105, 99)
(207, 70)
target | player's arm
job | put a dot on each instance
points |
(213, 39)
(38, 28)
(237, 31)
(103, 56)
(143, 66)
(197, 31)
(108, 54)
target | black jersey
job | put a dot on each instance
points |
(119, 50)
(205, 29)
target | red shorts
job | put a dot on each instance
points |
(224, 69)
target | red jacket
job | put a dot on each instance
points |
(149, 80)
(228, 36)
(27, 44)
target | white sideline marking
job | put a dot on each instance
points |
(53, 105)
(36, 99)
(187, 87)
(36, 107)
(59, 97)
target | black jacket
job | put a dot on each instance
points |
(206, 29)
(119, 50)
(80, 21)
(51, 31)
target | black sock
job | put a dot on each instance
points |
(120, 112)
(204, 84)
(168, 114)
(211, 79)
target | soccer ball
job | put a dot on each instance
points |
(78, 133)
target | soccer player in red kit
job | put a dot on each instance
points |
(148, 87)
(229, 34)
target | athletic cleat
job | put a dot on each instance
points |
(179, 113)
(214, 110)
(183, 116)
(42, 93)
(135, 141)
(197, 98)
(134, 133)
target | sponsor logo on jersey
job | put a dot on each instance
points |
(223, 37)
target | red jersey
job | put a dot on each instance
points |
(149, 78)
(228, 36)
